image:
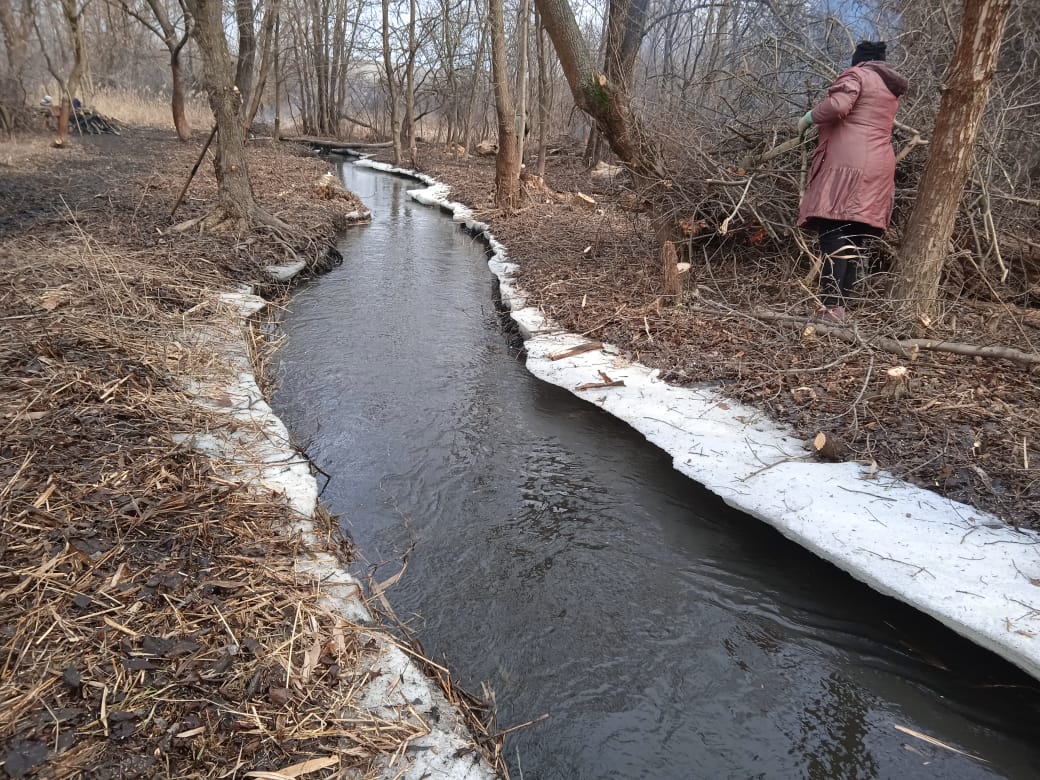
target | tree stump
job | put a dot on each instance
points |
(897, 382)
(670, 270)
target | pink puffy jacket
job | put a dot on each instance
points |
(853, 169)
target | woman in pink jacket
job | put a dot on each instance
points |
(852, 180)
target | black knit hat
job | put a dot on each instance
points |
(869, 50)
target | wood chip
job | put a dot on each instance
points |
(296, 770)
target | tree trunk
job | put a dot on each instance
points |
(478, 67)
(544, 104)
(180, 121)
(409, 121)
(521, 78)
(277, 77)
(339, 35)
(73, 17)
(626, 20)
(507, 164)
(16, 36)
(235, 199)
(267, 46)
(245, 17)
(607, 102)
(320, 64)
(175, 41)
(391, 89)
(919, 263)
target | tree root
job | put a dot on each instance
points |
(218, 220)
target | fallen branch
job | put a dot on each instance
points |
(586, 347)
(906, 348)
(332, 144)
(607, 382)
(194, 170)
(753, 160)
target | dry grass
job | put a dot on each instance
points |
(20, 147)
(144, 110)
(151, 620)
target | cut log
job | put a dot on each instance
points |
(581, 199)
(830, 447)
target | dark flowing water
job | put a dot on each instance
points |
(557, 555)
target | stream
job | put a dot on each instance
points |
(557, 555)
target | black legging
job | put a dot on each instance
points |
(841, 244)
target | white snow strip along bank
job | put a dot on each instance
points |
(255, 449)
(965, 568)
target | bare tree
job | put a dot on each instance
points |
(268, 45)
(507, 164)
(409, 90)
(323, 34)
(605, 96)
(391, 86)
(544, 95)
(245, 21)
(522, 27)
(236, 205)
(73, 13)
(174, 32)
(16, 26)
(474, 86)
(927, 235)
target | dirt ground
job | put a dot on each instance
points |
(151, 621)
(963, 426)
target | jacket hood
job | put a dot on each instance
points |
(896, 83)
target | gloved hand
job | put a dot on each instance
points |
(805, 123)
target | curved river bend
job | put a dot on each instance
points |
(557, 555)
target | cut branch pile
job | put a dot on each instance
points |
(82, 121)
